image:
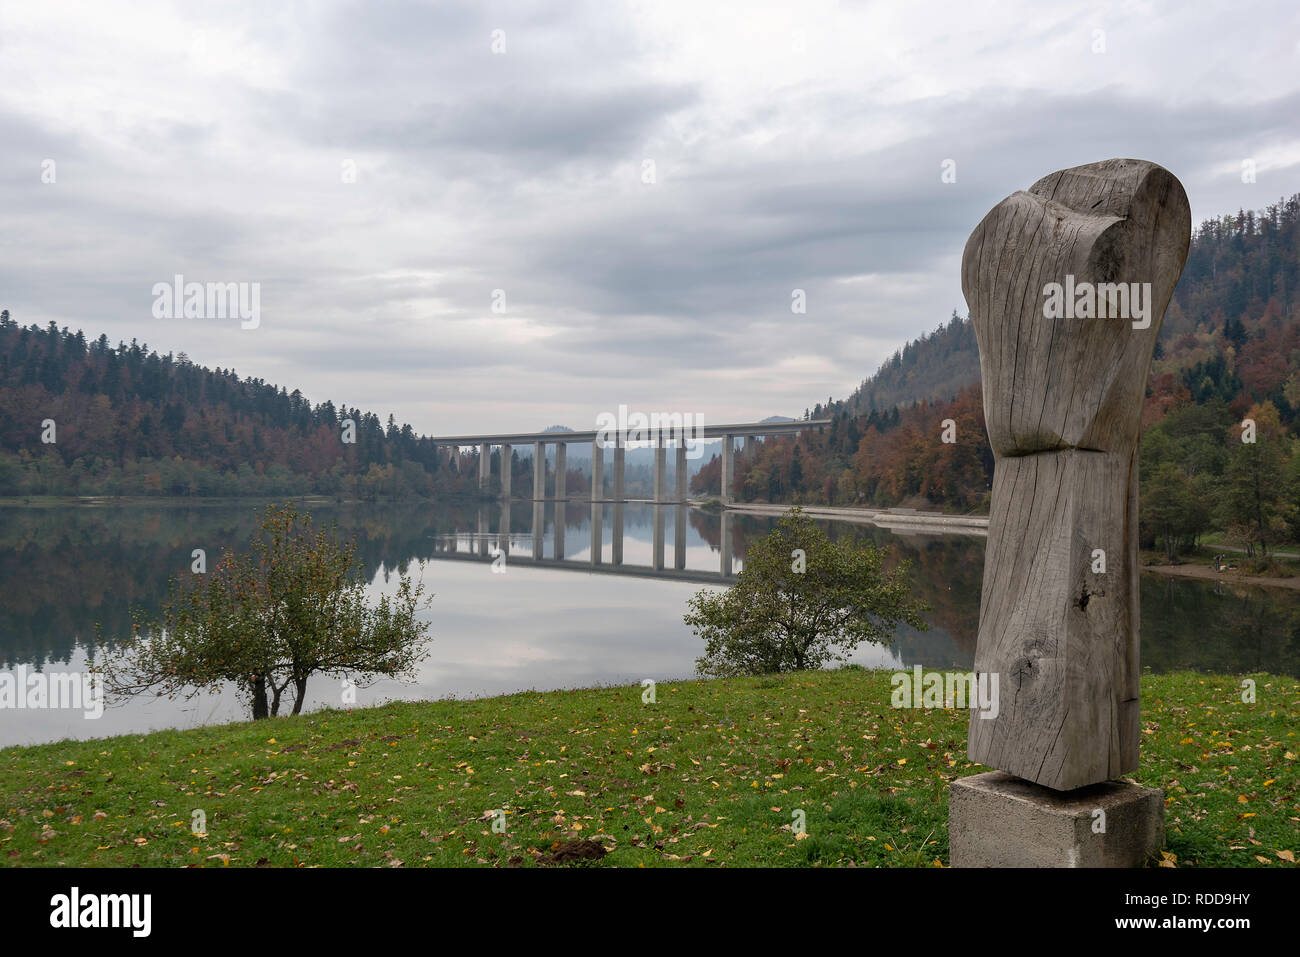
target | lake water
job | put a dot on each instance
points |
(534, 620)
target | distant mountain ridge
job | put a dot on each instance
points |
(1241, 270)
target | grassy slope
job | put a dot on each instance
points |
(708, 775)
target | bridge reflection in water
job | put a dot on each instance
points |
(543, 544)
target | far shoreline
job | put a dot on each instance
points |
(1205, 573)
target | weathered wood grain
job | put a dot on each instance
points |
(1063, 403)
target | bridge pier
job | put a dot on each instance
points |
(751, 446)
(725, 565)
(728, 466)
(507, 460)
(503, 530)
(559, 529)
(539, 471)
(658, 560)
(597, 471)
(484, 466)
(679, 537)
(661, 467)
(616, 535)
(597, 534)
(619, 476)
(679, 477)
(561, 470)
(539, 530)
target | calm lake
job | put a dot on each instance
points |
(530, 620)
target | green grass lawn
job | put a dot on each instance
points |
(708, 775)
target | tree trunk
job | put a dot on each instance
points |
(259, 697)
(300, 694)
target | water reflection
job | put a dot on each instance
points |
(588, 595)
(498, 537)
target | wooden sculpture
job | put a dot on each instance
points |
(1067, 286)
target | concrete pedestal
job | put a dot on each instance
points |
(999, 820)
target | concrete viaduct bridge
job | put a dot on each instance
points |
(618, 444)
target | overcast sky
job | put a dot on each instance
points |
(794, 146)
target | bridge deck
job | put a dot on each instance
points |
(709, 432)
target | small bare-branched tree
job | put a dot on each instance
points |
(293, 606)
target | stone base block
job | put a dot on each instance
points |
(999, 820)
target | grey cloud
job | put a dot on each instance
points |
(521, 171)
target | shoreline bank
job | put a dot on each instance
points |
(902, 519)
(1206, 573)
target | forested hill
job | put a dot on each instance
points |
(126, 420)
(934, 367)
(1229, 350)
(1242, 278)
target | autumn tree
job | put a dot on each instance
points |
(1165, 501)
(800, 601)
(1252, 500)
(292, 606)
